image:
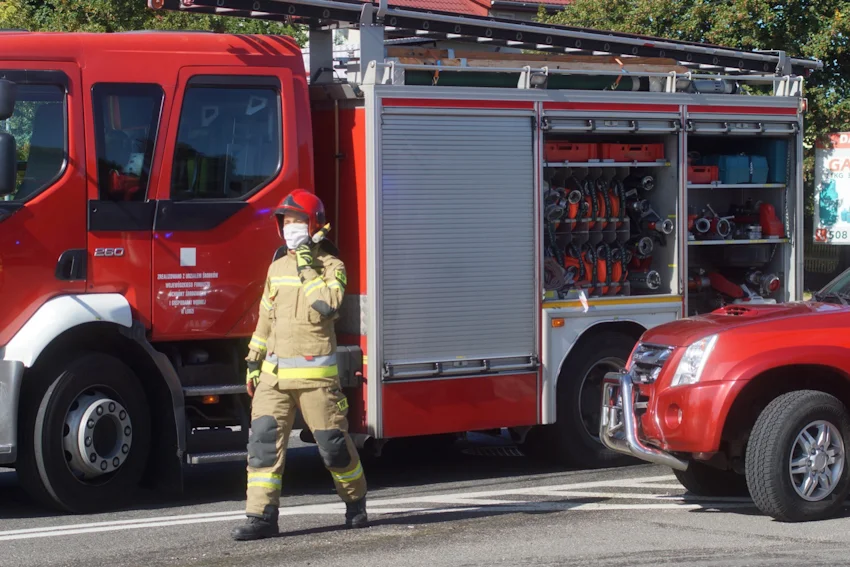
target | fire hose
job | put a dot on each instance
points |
(603, 191)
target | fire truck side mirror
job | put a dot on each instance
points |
(8, 94)
(8, 164)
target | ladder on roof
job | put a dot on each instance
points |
(319, 14)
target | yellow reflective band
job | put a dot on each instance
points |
(258, 343)
(263, 479)
(308, 373)
(335, 285)
(313, 285)
(349, 476)
(267, 305)
(302, 373)
(285, 281)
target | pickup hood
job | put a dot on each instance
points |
(687, 331)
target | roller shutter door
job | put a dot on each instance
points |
(457, 244)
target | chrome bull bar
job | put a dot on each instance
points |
(618, 428)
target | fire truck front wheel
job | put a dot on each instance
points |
(87, 435)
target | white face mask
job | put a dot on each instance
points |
(295, 234)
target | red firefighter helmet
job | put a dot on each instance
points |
(305, 203)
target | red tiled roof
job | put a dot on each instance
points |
(470, 7)
(544, 2)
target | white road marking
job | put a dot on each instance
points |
(488, 502)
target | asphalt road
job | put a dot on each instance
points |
(470, 505)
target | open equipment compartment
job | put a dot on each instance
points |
(610, 204)
(741, 202)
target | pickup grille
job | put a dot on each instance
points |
(647, 362)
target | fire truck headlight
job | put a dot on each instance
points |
(693, 362)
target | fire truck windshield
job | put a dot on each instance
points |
(39, 126)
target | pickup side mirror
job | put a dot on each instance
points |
(8, 94)
(8, 164)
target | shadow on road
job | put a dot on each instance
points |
(407, 463)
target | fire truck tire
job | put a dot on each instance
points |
(88, 435)
(796, 459)
(574, 439)
(703, 480)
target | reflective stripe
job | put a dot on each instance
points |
(308, 373)
(265, 480)
(301, 362)
(285, 281)
(349, 476)
(258, 343)
(299, 367)
(266, 476)
(267, 305)
(335, 285)
(305, 372)
(313, 286)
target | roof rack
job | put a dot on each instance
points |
(499, 31)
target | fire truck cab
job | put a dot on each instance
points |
(146, 168)
(138, 173)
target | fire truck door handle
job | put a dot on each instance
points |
(71, 265)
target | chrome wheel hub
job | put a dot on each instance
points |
(98, 435)
(817, 461)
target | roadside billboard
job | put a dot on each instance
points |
(832, 190)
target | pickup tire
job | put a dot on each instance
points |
(573, 440)
(791, 435)
(86, 434)
(703, 480)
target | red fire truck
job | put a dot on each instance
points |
(509, 229)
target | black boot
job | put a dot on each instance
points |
(258, 527)
(355, 514)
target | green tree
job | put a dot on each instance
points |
(125, 15)
(817, 29)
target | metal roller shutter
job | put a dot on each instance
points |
(457, 244)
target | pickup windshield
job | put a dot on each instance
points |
(39, 126)
(836, 291)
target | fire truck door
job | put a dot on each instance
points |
(121, 137)
(228, 162)
(42, 230)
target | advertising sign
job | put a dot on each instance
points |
(832, 190)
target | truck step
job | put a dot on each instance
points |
(225, 390)
(209, 458)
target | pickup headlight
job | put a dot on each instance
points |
(693, 362)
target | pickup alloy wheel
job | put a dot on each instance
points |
(817, 461)
(796, 457)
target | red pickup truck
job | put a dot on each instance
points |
(746, 399)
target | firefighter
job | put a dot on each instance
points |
(292, 364)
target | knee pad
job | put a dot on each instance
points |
(262, 443)
(332, 448)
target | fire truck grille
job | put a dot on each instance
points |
(647, 362)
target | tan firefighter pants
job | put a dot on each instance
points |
(272, 415)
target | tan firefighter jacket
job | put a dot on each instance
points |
(295, 338)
